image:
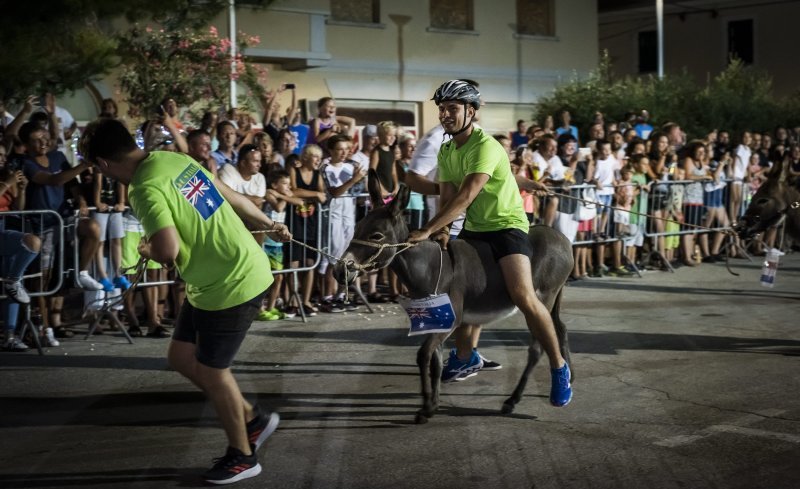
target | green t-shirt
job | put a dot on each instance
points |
(222, 264)
(499, 204)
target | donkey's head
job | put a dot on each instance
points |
(769, 203)
(383, 226)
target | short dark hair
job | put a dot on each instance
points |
(195, 135)
(323, 101)
(246, 148)
(39, 117)
(336, 139)
(222, 125)
(27, 129)
(543, 140)
(276, 174)
(105, 138)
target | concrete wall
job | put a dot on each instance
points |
(699, 42)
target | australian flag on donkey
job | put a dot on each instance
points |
(197, 189)
(433, 314)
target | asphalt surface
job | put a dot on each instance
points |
(684, 380)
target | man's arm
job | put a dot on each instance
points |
(420, 184)
(56, 179)
(248, 212)
(530, 186)
(163, 246)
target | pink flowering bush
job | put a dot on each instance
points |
(192, 67)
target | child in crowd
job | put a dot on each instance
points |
(640, 164)
(110, 204)
(341, 179)
(327, 123)
(307, 184)
(278, 195)
(606, 167)
(623, 197)
(133, 234)
(383, 158)
(415, 209)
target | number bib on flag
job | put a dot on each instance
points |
(434, 314)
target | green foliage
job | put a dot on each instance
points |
(739, 98)
(58, 45)
(193, 67)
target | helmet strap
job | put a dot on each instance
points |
(465, 126)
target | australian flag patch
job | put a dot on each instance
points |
(433, 314)
(197, 189)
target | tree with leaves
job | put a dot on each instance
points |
(58, 46)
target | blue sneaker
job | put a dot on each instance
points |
(560, 389)
(456, 370)
(107, 285)
(122, 283)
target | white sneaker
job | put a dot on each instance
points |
(777, 252)
(16, 291)
(86, 282)
(50, 337)
(14, 344)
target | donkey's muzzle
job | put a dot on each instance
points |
(345, 272)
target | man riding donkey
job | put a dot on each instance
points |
(475, 177)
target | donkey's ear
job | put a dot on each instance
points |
(400, 201)
(374, 188)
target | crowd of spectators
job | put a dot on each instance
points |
(627, 194)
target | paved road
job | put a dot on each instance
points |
(685, 380)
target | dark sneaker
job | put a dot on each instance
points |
(335, 306)
(233, 467)
(350, 305)
(560, 389)
(260, 427)
(17, 292)
(457, 370)
(488, 364)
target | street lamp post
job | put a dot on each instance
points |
(660, 24)
(232, 34)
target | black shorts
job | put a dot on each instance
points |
(503, 243)
(217, 334)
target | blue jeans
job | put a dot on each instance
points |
(15, 257)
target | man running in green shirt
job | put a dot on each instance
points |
(475, 177)
(196, 224)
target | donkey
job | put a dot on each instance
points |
(467, 272)
(776, 197)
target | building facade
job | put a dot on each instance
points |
(701, 36)
(371, 54)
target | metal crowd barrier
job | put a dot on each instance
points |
(671, 199)
(47, 225)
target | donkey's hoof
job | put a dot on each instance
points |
(420, 418)
(508, 407)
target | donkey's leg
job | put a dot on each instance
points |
(436, 367)
(534, 354)
(429, 361)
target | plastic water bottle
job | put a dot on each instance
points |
(770, 269)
